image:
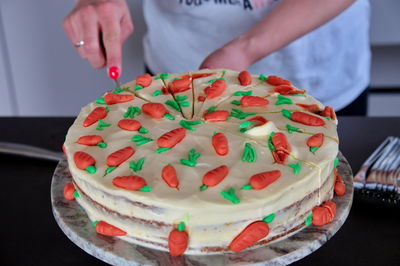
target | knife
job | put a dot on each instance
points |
(29, 151)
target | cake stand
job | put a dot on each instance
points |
(74, 222)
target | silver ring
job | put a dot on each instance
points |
(79, 44)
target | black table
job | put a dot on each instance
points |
(30, 235)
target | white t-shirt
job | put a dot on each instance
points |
(331, 62)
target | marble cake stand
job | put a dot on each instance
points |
(74, 222)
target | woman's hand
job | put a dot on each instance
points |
(233, 56)
(103, 26)
(273, 32)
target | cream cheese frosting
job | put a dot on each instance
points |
(211, 219)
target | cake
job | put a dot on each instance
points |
(204, 162)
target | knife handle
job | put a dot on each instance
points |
(29, 151)
(113, 73)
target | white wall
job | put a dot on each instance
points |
(46, 75)
(7, 101)
(385, 22)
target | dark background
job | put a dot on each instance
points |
(31, 236)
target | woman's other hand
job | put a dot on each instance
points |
(233, 56)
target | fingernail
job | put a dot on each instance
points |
(113, 72)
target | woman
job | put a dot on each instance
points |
(321, 46)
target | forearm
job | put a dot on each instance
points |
(287, 22)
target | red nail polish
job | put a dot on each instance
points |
(113, 72)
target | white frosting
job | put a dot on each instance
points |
(207, 209)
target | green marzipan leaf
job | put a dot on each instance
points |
(313, 149)
(143, 130)
(286, 113)
(132, 111)
(192, 158)
(169, 117)
(270, 144)
(242, 93)
(240, 114)
(262, 77)
(91, 169)
(245, 124)
(174, 105)
(163, 76)
(181, 98)
(184, 104)
(247, 187)
(156, 93)
(181, 226)
(100, 100)
(203, 187)
(162, 149)
(140, 140)
(230, 195)
(283, 100)
(109, 170)
(138, 87)
(235, 102)
(336, 162)
(102, 124)
(213, 80)
(187, 162)
(292, 129)
(269, 218)
(136, 166)
(145, 189)
(211, 109)
(117, 90)
(188, 124)
(249, 154)
(308, 219)
(193, 155)
(296, 167)
(102, 145)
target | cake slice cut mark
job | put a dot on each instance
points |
(180, 86)
(259, 89)
(180, 108)
(304, 161)
(175, 99)
(135, 93)
(153, 93)
(254, 110)
(200, 93)
(316, 166)
(292, 129)
(167, 115)
(193, 96)
(237, 101)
